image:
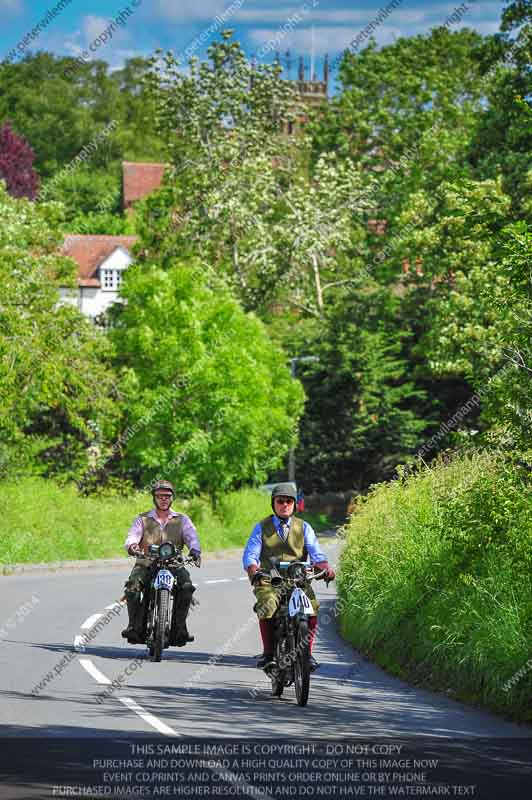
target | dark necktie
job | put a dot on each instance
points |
(285, 530)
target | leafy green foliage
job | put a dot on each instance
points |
(53, 378)
(435, 580)
(60, 106)
(390, 96)
(209, 400)
(83, 192)
(365, 411)
(230, 163)
(397, 196)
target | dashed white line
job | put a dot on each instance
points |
(149, 718)
(95, 673)
(220, 580)
(90, 622)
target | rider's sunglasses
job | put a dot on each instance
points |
(163, 496)
(284, 500)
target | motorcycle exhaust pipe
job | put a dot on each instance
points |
(276, 577)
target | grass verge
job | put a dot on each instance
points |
(44, 522)
(435, 581)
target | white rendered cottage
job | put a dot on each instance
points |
(101, 262)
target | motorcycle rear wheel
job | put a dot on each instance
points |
(160, 626)
(301, 663)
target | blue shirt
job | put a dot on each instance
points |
(254, 545)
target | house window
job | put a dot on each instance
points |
(111, 279)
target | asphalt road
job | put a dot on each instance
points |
(209, 690)
(211, 687)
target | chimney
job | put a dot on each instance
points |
(326, 69)
(301, 75)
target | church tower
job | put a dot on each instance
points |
(312, 91)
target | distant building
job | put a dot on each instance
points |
(139, 179)
(313, 92)
(101, 262)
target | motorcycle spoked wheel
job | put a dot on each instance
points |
(161, 620)
(301, 663)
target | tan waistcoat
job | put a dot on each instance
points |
(274, 547)
(154, 534)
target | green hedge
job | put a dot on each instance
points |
(435, 581)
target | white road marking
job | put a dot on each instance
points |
(79, 642)
(220, 580)
(113, 605)
(243, 579)
(95, 673)
(90, 622)
(149, 718)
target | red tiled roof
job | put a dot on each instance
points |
(140, 179)
(377, 226)
(90, 251)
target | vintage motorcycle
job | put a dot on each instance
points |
(291, 635)
(166, 559)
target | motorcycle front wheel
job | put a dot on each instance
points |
(301, 663)
(277, 673)
(160, 626)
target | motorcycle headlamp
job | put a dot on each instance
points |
(296, 570)
(166, 550)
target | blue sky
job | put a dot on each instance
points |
(303, 25)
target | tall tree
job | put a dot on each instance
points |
(223, 127)
(366, 410)
(209, 398)
(390, 96)
(53, 375)
(16, 164)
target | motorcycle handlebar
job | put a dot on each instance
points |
(182, 560)
(275, 576)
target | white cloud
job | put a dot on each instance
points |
(326, 15)
(333, 37)
(188, 10)
(93, 27)
(422, 18)
(11, 6)
(487, 27)
(327, 38)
